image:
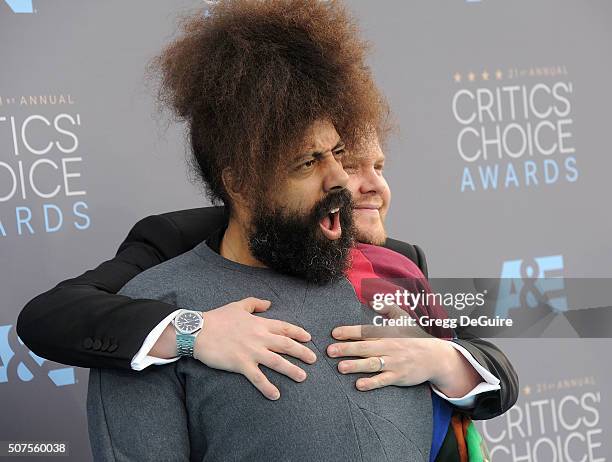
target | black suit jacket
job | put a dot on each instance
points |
(83, 322)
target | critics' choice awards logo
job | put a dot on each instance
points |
(554, 421)
(41, 186)
(515, 129)
(526, 283)
(17, 363)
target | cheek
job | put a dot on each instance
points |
(386, 197)
(353, 185)
(299, 195)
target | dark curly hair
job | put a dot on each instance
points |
(249, 76)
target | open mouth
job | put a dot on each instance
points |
(330, 224)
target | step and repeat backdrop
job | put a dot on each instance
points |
(500, 167)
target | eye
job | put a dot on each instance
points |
(306, 165)
(349, 168)
(339, 153)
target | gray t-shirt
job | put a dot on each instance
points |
(187, 411)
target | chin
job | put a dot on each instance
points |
(375, 236)
(370, 231)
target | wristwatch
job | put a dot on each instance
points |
(188, 324)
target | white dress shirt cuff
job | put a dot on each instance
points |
(489, 383)
(142, 359)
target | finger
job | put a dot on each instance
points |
(366, 365)
(252, 304)
(281, 344)
(347, 332)
(378, 381)
(364, 348)
(390, 310)
(371, 332)
(367, 332)
(261, 382)
(279, 364)
(287, 330)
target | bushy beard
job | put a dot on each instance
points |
(292, 242)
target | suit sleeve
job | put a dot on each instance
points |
(493, 403)
(82, 322)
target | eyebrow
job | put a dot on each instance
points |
(318, 154)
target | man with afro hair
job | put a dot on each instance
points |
(274, 94)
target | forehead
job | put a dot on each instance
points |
(321, 136)
(369, 152)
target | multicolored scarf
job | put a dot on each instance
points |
(376, 269)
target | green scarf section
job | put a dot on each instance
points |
(473, 441)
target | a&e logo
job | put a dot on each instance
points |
(527, 283)
(20, 6)
(19, 363)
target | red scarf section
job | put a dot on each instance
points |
(376, 269)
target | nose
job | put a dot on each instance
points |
(335, 176)
(371, 181)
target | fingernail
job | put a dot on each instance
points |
(275, 395)
(332, 351)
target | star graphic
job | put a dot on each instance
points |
(471, 76)
(498, 74)
(527, 390)
(485, 75)
(457, 77)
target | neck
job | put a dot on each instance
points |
(235, 245)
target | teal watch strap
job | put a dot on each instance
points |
(184, 344)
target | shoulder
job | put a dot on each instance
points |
(196, 224)
(408, 250)
(170, 234)
(185, 218)
(411, 251)
(161, 281)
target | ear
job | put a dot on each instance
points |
(232, 188)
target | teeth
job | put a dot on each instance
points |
(335, 210)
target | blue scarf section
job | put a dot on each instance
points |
(442, 411)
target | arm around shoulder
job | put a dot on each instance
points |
(83, 322)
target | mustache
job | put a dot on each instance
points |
(371, 199)
(339, 199)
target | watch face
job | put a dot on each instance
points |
(188, 322)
